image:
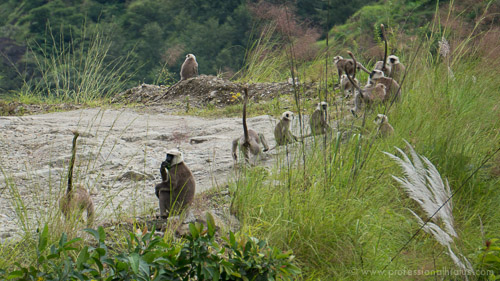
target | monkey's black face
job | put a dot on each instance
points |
(324, 106)
(392, 60)
(168, 161)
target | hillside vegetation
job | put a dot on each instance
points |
(334, 200)
(151, 37)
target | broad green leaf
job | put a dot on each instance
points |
(82, 257)
(42, 244)
(210, 225)
(134, 262)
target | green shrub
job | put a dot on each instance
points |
(488, 259)
(148, 257)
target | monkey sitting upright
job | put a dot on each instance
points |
(384, 128)
(282, 133)
(189, 68)
(318, 122)
(77, 197)
(177, 188)
(397, 68)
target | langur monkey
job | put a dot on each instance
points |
(384, 128)
(250, 140)
(176, 191)
(397, 68)
(282, 133)
(189, 68)
(346, 84)
(347, 66)
(370, 95)
(77, 197)
(392, 87)
(318, 122)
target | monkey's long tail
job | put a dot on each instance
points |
(351, 79)
(72, 163)
(245, 128)
(382, 29)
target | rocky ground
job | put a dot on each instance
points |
(118, 157)
(120, 150)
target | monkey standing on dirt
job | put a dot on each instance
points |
(282, 133)
(76, 197)
(189, 68)
(250, 141)
(176, 191)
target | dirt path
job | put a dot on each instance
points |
(118, 156)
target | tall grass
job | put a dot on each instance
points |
(349, 223)
(37, 203)
(79, 71)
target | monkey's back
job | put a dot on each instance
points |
(397, 72)
(185, 185)
(78, 200)
(317, 122)
(189, 69)
(391, 86)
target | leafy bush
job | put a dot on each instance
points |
(148, 257)
(489, 259)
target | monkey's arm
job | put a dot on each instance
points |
(164, 172)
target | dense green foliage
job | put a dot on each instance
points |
(153, 35)
(149, 257)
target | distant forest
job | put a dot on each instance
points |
(153, 35)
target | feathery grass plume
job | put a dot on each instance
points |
(444, 47)
(423, 183)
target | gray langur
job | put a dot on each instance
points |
(347, 66)
(370, 95)
(392, 87)
(347, 85)
(397, 68)
(189, 68)
(318, 121)
(177, 189)
(77, 197)
(384, 128)
(282, 133)
(250, 141)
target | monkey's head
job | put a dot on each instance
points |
(190, 56)
(337, 59)
(393, 59)
(287, 115)
(174, 157)
(381, 87)
(381, 118)
(322, 105)
(376, 74)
